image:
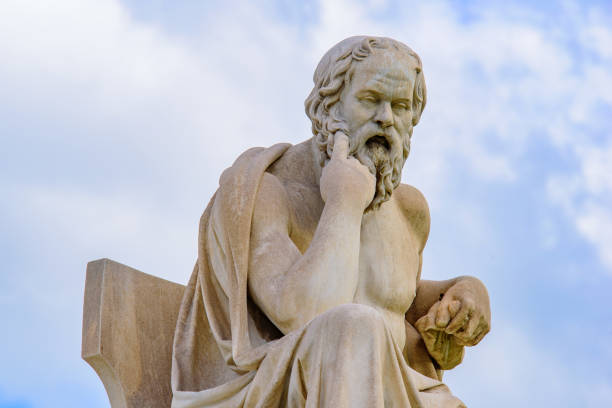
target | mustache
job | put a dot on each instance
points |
(372, 136)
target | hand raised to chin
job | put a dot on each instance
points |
(344, 179)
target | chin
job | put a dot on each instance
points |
(388, 174)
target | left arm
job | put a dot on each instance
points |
(427, 293)
(448, 314)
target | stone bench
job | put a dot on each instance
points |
(129, 319)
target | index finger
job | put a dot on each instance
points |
(459, 321)
(341, 146)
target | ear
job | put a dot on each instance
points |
(419, 97)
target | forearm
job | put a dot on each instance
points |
(326, 274)
(291, 287)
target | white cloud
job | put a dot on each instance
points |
(586, 197)
(126, 227)
(516, 368)
(596, 166)
(595, 224)
(131, 85)
(41, 294)
(596, 35)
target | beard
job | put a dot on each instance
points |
(383, 152)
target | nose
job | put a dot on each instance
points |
(384, 115)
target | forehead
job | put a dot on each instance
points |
(388, 72)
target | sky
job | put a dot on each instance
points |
(118, 117)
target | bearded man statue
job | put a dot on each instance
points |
(307, 289)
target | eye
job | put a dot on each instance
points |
(401, 106)
(368, 99)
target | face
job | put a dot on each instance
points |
(377, 107)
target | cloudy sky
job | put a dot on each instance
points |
(117, 118)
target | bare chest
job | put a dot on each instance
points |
(388, 261)
(388, 255)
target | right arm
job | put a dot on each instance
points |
(292, 288)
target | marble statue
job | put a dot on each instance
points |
(308, 275)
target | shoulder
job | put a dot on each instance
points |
(416, 210)
(271, 211)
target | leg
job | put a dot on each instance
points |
(347, 358)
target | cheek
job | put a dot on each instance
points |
(404, 122)
(362, 113)
(357, 121)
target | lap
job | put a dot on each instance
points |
(339, 358)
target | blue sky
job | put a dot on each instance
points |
(117, 118)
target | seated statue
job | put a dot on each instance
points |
(308, 274)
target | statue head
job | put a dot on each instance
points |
(373, 90)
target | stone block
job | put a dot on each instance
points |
(129, 319)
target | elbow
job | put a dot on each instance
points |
(282, 311)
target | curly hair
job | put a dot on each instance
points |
(335, 71)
